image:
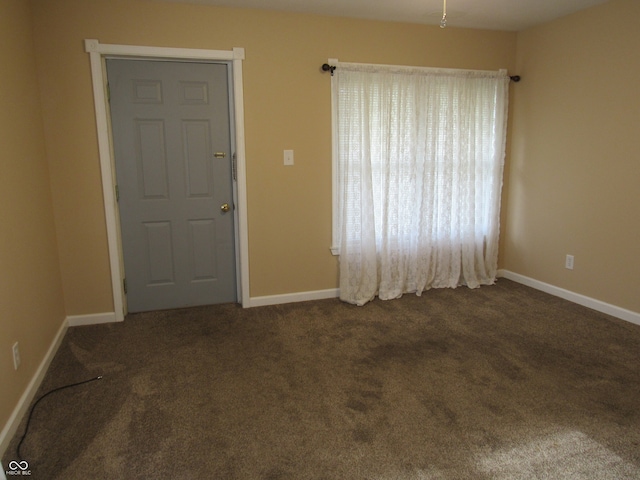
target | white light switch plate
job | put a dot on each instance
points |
(288, 157)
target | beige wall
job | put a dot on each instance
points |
(287, 106)
(31, 306)
(575, 160)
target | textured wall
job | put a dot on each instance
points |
(31, 302)
(575, 157)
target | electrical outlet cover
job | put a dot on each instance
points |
(568, 263)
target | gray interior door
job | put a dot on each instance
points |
(172, 146)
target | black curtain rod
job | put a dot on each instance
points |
(330, 68)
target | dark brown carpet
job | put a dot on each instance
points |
(501, 382)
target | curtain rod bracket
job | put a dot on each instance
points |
(328, 68)
(515, 78)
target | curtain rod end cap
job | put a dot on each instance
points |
(328, 68)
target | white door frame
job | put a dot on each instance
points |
(97, 52)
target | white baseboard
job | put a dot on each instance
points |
(294, 297)
(21, 408)
(91, 319)
(583, 300)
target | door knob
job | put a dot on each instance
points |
(225, 207)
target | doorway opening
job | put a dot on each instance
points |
(99, 53)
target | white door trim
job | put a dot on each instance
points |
(97, 52)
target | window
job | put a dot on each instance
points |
(418, 159)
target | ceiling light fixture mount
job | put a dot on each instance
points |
(443, 22)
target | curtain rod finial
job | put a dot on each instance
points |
(328, 68)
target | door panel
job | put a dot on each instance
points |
(195, 138)
(168, 120)
(151, 159)
(202, 238)
(159, 259)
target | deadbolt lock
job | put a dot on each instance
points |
(220, 154)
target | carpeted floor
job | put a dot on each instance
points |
(501, 382)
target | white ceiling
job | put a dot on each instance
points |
(510, 15)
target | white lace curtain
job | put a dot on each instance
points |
(418, 162)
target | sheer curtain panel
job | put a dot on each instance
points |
(418, 162)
